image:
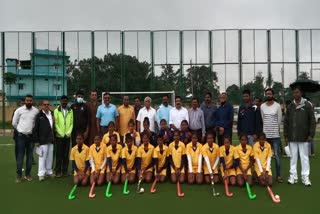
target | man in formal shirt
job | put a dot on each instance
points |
(224, 119)
(209, 111)
(93, 106)
(23, 121)
(81, 118)
(196, 120)
(178, 114)
(163, 111)
(43, 136)
(106, 113)
(137, 107)
(147, 111)
(15, 132)
(126, 113)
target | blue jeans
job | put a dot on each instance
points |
(24, 145)
(276, 144)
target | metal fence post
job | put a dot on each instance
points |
(33, 42)
(93, 71)
(210, 61)
(182, 87)
(152, 60)
(123, 72)
(240, 57)
(3, 86)
(269, 58)
(297, 53)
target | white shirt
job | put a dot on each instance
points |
(151, 114)
(178, 115)
(271, 117)
(49, 116)
(23, 119)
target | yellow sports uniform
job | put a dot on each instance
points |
(228, 159)
(80, 157)
(125, 115)
(106, 138)
(212, 154)
(161, 158)
(98, 156)
(130, 158)
(134, 138)
(177, 155)
(146, 156)
(194, 155)
(263, 155)
(115, 157)
(244, 158)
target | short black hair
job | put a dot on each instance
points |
(29, 95)
(269, 89)
(64, 97)
(79, 92)
(165, 95)
(128, 137)
(246, 91)
(297, 87)
(136, 98)
(262, 134)
(258, 98)
(177, 97)
(94, 91)
(194, 98)
(106, 93)
(208, 93)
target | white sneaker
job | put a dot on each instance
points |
(292, 180)
(41, 178)
(306, 181)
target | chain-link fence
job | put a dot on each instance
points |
(190, 62)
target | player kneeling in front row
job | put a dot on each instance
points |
(144, 159)
(128, 156)
(98, 160)
(194, 157)
(161, 159)
(177, 156)
(245, 153)
(210, 153)
(229, 161)
(80, 161)
(262, 154)
(113, 160)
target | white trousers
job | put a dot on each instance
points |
(302, 149)
(45, 162)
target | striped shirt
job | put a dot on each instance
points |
(271, 117)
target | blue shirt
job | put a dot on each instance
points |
(163, 113)
(106, 114)
(224, 118)
(209, 113)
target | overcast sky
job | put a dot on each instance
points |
(63, 15)
(157, 14)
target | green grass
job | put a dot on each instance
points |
(50, 196)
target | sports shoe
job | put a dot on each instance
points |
(306, 181)
(18, 180)
(28, 178)
(292, 180)
(41, 178)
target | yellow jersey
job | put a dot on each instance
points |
(194, 153)
(262, 154)
(80, 158)
(230, 157)
(146, 156)
(212, 153)
(177, 153)
(130, 158)
(115, 156)
(161, 156)
(106, 139)
(97, 155)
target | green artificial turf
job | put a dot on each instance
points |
(51, 195)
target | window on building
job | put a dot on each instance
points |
(20, 86)
(57, 87)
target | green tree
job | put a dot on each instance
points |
(256, 86)
(197, 81)
(234, 94)
(9, 78)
